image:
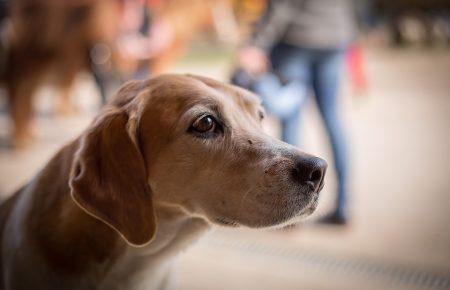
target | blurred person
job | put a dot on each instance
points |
(141, 39)
(299, 45)
(175, 23)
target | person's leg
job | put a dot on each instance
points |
(327, 68)
(280, 100)
(284, 102)
(291, 128)
(267, 87)
(293, 67)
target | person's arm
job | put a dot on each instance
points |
(272, 26)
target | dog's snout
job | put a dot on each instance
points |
(310, 171)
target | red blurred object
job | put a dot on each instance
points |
(357, 69)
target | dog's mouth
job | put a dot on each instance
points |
(297, 216)
(226, 222)
(278, 216)
(311, 207)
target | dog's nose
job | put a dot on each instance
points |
(310, 171)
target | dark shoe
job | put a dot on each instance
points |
(334, 218)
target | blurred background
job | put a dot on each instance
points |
(387, 228)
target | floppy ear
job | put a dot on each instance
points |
(109, 180)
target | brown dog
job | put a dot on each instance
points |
(51, 39)
(165, 159)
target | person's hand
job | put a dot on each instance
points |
(253, 60)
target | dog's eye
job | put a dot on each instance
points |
(204, 124)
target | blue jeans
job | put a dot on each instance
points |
(296, 72)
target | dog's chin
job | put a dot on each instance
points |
(293, 219)
(226, 222)
(289, 217)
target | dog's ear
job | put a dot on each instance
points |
(109, 180)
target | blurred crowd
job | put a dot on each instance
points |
(115, 40)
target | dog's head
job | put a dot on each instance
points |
(195, 143)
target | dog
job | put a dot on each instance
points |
(50, 40)
(165, 160)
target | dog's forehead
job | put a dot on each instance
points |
(178, 92)
(240, 96)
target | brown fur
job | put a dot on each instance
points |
(51, 39)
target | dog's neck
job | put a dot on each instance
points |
(175, 229)
(149, 265)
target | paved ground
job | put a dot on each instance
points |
(399, 236)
